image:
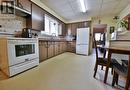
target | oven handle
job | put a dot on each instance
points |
(27, 59)
(21, 63)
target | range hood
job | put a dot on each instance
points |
(21, 12)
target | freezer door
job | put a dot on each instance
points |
(82, 36)
(82, 49)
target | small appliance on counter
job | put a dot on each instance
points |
(26, 33)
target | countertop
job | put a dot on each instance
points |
(14, 38)
(124, 36)
(40, 39)
(54, 40)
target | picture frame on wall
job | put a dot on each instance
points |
(113, 33)
(112, 29)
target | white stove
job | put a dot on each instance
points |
(22, 54)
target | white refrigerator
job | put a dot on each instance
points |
(82, 41)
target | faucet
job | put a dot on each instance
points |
(53, 35)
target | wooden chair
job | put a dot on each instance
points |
(102, 61)
(121, 70)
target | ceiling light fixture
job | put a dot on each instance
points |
(82, 5)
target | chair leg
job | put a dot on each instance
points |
(112, 71)
(114, 79)
(96, 63)
(102, 67)
(95, 67)
(117, 76)
(95, 71)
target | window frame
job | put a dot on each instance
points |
(57, 26)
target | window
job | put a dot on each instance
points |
(52, 26)
(60, 29)
(98, 36)
(47, 25)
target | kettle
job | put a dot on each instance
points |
(26, 33)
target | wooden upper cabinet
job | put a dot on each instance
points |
(37, 18)
(64, 32)
(26, 4)
(84, 24)
(68, 28)
(74, 27)
(80, 25)
(87, 24)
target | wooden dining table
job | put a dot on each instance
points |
(117, 49)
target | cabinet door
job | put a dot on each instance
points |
(56, 48)
(60, 47)
(68, 26)
(42, 51)
(80, 25)
(68, 46)
(64, 46)
(71, 28)
(64, 31)
(74, 28)
(37, 18)
(26, 4)
(50, 49)
(71, 47)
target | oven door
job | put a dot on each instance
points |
(22, 51)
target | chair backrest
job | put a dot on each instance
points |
(95, 46)
(120, 51)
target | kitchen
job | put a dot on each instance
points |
(34, 34)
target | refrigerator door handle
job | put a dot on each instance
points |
(81, 44)
(78, 44)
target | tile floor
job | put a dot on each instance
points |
(67, 71)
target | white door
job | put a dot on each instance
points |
(82, 49)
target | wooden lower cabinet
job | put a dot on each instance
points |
(71, 47)
(57, 44)
(60, 47)
(48, 49)
(64, 46)
(51, 49)
(42, 51)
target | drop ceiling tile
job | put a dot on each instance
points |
(110, 1)
(75, 7)
(70, 9)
